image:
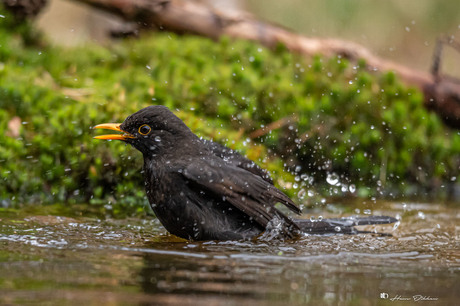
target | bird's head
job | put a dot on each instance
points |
(150, 130)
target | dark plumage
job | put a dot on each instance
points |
(201, 190)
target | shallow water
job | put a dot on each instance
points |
(52, 257)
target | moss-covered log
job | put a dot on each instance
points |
(441, 95)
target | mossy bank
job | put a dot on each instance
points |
(324, 127)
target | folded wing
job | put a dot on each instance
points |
(248, 192)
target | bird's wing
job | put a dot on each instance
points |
(244, 190)
(236, 159)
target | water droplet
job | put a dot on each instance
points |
(301, 194)
(332, 179)
(157, 138)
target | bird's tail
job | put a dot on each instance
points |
(341, 225)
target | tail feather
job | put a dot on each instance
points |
(341, 225)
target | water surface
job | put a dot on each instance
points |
(49, 256)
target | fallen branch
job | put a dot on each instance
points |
(442, 94)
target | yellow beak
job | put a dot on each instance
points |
(115, 127)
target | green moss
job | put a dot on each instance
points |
(362, 126)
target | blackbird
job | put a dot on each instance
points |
(202, 190)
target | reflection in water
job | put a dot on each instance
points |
(334, 278)
(132, 261)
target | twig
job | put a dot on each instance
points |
(273, 126)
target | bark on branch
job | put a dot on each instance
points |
(442, 94)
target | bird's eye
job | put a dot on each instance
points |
(144, 129)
